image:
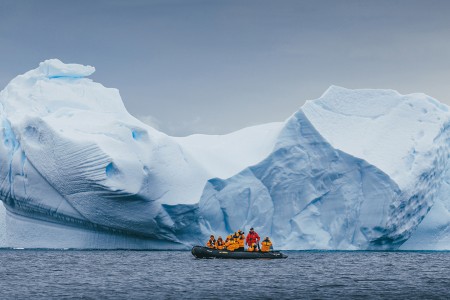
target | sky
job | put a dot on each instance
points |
(188, 66)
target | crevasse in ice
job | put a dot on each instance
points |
(354, 169)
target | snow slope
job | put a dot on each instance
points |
(391, 131)
(225, 155)
(354, 169)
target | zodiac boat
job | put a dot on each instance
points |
(204, 252)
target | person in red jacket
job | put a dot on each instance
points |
(252, 238)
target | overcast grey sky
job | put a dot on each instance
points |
(217, 66)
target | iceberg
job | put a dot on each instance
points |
(407, 137)
(73, 156)
(353, 169)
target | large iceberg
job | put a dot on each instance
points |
(354, 169)
(73, 156)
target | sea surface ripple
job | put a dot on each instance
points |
(50, 274)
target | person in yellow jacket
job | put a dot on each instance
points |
(235, 239)
(241, 240)
(211, 243)
(229, 244)
(220, 244)
(266, 245)
(252, 248)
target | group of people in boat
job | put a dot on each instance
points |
(238, 240)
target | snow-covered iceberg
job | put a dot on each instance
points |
(407, 137)
(72, 155)
(354, 169)
(351, 170)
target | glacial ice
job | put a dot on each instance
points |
(341, 177)
(73, 155)
(354, 169)
(3, 241)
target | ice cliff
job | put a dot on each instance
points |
(354, 169)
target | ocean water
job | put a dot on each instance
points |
(50, 274)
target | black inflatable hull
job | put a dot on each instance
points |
(203, 252)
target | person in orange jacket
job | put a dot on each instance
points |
(235, 239)
(266, 245)
(229, 244)
(211, 243)
(252, 248)
(220, 244)
(241, 240)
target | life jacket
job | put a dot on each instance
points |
(241, 241)
(230, 245)
(211, 244)
(251, 249)
(234, 242)
(220, 244)
(265, 245)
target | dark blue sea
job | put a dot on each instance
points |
(71, 274)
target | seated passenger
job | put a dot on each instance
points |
(211, 243)
(235, 239)
(229, 245)
(241, 240)
(220, 244)
(266, 245)
(235, 236)
(252, 248)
